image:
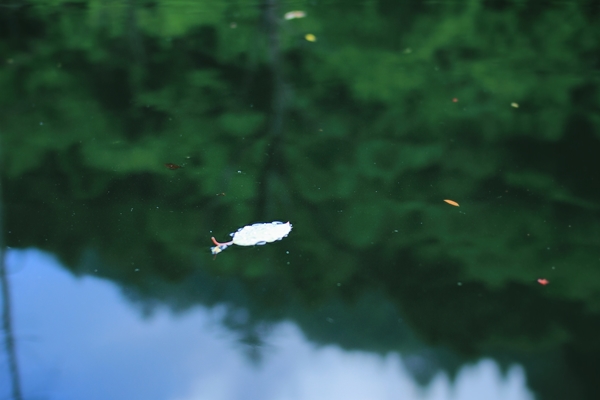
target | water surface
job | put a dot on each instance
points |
(133, 132)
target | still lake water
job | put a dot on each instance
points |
(134, 131)
(112, 351)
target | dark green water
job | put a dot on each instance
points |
(381, 290)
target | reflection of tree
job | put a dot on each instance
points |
(7, 328)
(252, 336)
(272, 175)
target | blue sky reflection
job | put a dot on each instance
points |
(79, 338)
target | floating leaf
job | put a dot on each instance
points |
(294, 14)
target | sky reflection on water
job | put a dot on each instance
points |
(80, 338)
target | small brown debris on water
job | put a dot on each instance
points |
(172, 166)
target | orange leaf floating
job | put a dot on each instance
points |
(452, 202)
(172, 166)
(543, 281)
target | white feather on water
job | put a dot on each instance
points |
(255, 234)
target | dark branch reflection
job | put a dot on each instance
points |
(9, 339)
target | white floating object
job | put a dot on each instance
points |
(294, 14)
(255, 234)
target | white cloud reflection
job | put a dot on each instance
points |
(80, 339)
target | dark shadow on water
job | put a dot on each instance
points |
(7, 326)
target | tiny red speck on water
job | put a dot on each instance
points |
(543, 281)
(455, 100)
